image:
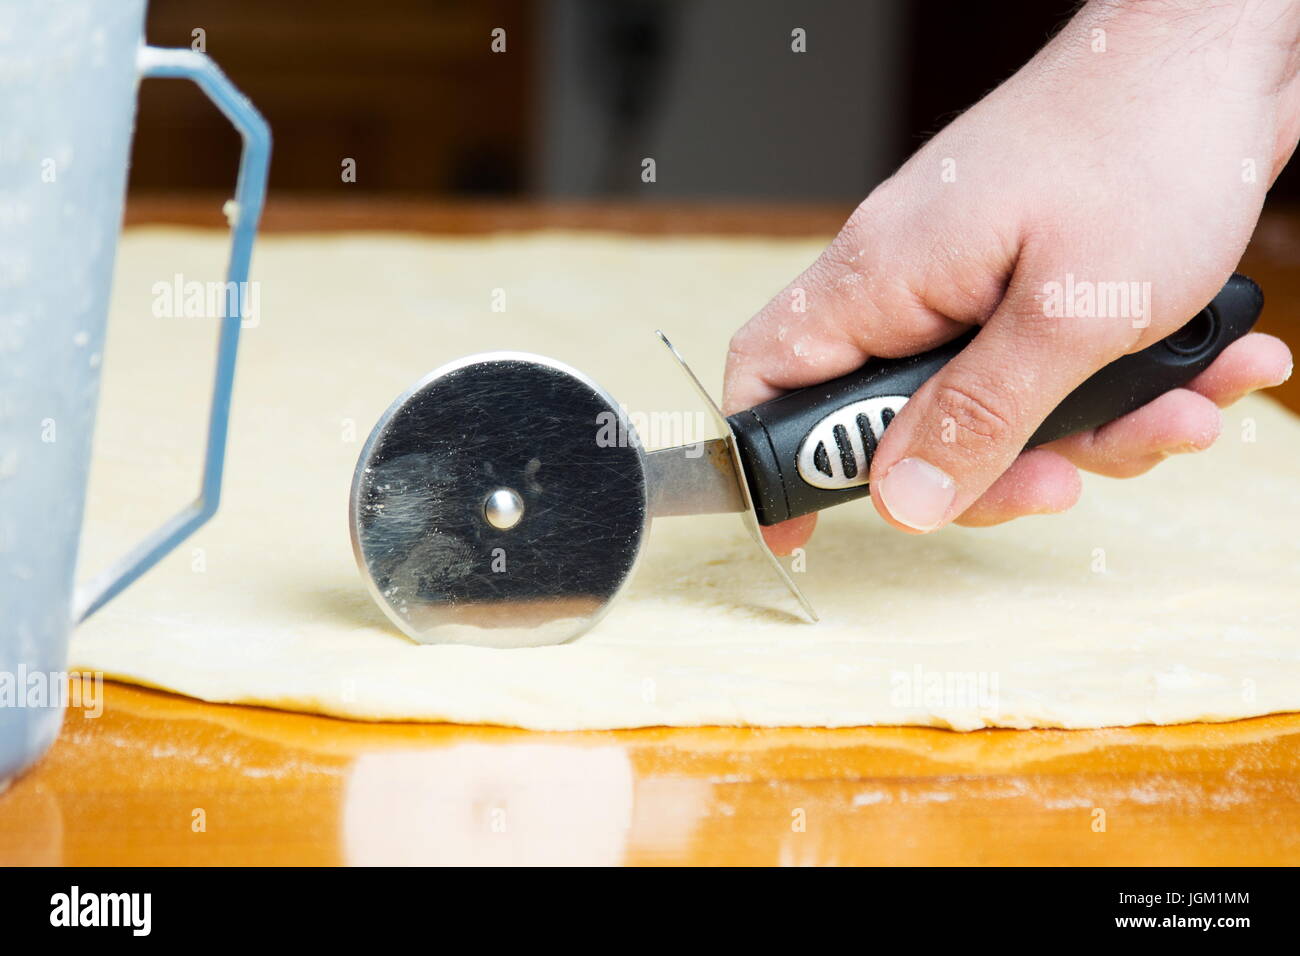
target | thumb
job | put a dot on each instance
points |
(965, 426)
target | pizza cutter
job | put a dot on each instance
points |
(505, 498)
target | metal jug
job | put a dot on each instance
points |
(69, 70)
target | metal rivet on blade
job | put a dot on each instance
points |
(503, 509)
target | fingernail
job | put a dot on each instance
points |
(917, 494)
(1286, 376)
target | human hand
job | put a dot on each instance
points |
(1139, 154)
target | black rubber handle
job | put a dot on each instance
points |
(810, 449)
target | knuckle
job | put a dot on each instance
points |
(856, 246)
(858, 230)
(845, 263)
(742, 344)
(973, 413)
(735, 346)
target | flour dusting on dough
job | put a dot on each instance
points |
(1151, 602)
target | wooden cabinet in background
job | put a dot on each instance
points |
(410, 89)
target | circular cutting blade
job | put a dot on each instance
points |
(500, 502)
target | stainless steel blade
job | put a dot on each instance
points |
(738, 469)
(697, 479)
(486, 509)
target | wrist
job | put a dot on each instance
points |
(1248, 49)
(1259, 38)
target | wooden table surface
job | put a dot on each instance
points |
(161, 779)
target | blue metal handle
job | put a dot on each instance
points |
(250, 191)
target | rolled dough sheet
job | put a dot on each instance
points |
(1165, 599)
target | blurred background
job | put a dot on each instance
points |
(413, 93)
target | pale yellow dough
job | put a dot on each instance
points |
(1165, 599)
